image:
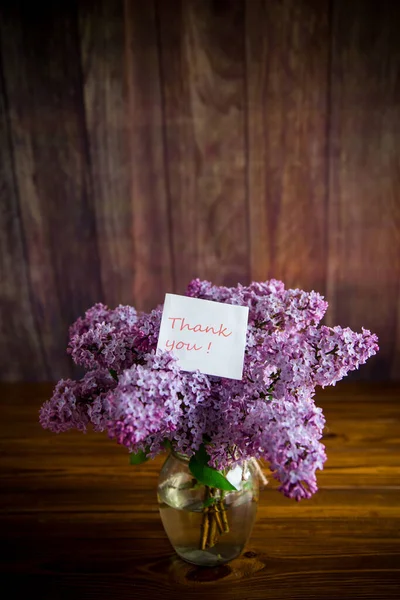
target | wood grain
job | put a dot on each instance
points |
(287, 108)
(43, 83)
(151, 233)
(20, 338)
(101, 26)
(203, 76)
(77, 521)
(147, 143)
(364, 207)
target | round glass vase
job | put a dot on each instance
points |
(207, 526)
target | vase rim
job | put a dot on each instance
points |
(185, 458)
(180, 455)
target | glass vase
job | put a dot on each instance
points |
(207, 526)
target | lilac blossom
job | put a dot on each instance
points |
(122, 317)
(338, 351)
(76, 404)
(146, 330)
(271, 307)
(197, 414)
(289, 435)
(104, 338)
(147, 401)
(270, 413)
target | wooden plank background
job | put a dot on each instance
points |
(146, 143)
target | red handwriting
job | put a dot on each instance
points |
(181, 346)
(199, 328)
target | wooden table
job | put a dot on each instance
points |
(77, 522)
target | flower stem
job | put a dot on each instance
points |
(259, 471)
(215, 521)
(222, 508)
(204, 530)
(218, 519)
(212, 532)
(205, 522)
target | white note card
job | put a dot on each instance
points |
(204, 335)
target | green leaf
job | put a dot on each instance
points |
(206, 475)
(137, 458)
(247, 485)
(113, 374)
(209, 502)
(167, 445)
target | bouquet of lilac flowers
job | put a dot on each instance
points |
(146, 403)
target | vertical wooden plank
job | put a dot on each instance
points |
(395, 348)
(106, 106)
(21, 355)
(151, 233)
(287, 78)
(364, 202)
(202, 50)
(44, 87)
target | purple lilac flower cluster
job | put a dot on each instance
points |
(76, 404)
(142, 398)
(104, 338)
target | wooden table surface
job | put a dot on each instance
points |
(78, 522)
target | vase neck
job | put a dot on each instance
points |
(179, 456)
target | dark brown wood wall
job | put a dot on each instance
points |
(146, 142)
